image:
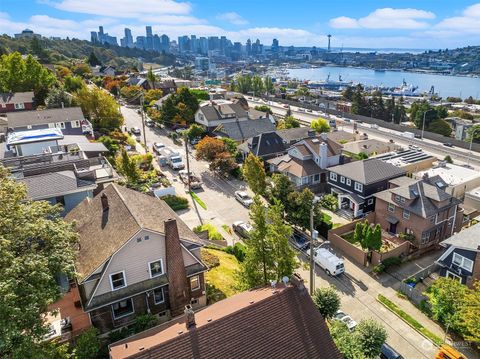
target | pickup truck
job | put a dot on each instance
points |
(170, 157)
(195, 182)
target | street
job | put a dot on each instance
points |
(358, 290)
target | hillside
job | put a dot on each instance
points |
(59, 50)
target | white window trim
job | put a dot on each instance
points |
(199, 284)
(451, 275)
(19, 106)
(342, 179)
(163, 296)
(60, 125)
(349, 182)
(391, 207)
(462, 262)
(370, 201)
(150, 269)
(124, 279)
(333, 176)
(406, 214)
(358, 187)
(75, 124)
(124, 315)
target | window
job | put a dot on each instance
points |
(406, 214)
(342, 179)
(75, 124)
(349, 182)
(391, 207)
(60, 125)
(61, 200)
(453, 276)
(146, 238)
(304, 180)
(358, 187)
(462, 262)
(316, 178)
(195, 282)
(156, 268)
(122, 308)
(370, 201)
(51, 125)
(399, 199)
(117, 280)
(29, 127)
(19, 106)
(425, 237)
(158, 296)
(333, 176)
(139, 239)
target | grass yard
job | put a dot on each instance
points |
(221, 280)
(349, 237)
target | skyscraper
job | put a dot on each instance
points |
(149, 38)
(127, 40)
(149, 30)
(157, 46)
(275, 45)
(248, 47)
(103, 37)
(165, 43)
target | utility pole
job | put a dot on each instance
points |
(188, 163)
(312, 263)
(423, 125)
(143, 124)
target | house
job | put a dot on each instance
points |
(280, 323)
(69, 120)
(167, 86)
(103, 70)
(239, 131)
(16, 101)
(461, 259)
(64, 175)
(460, 127)
(136, 256)
(159, 103)
(306, 162)
(266, 145)
(32, 142)
(410, 160)
(355, 184)
(420, 209)
(293, 135)
(371, 147)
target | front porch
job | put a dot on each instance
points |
(350, 206)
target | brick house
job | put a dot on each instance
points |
(418, 208)
(461, 259)
(16, 101)
(135, 257)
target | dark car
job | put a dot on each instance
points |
(299, 240)
(387, 352)
(448, 144)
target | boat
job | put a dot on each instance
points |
(405, 90)
(331, 84)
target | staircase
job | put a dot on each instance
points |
(345, 213)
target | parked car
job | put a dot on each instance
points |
(341, 316)
(415, 147)
(195, 182)
(149, 123)
(135, 131)
(299, 240)
(448, 144)
(157, 146)
(387, 352)
(243, 229)
(308, 110)
(243, 198)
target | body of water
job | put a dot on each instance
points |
(445, 86)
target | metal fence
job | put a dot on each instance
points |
(414, 294)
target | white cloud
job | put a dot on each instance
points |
(233, 18)
(386, 18)
(468, 23)
(122, 8)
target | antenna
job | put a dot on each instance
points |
(329, 37)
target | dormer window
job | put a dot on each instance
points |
(399, 199)
(117, 280)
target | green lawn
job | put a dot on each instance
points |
(349, 237)
(221, 280)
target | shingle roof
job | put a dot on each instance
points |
(16, 97)
(241, 130)
(334, 148)
(468, 238)
(294, 134)
(102, 233)
(24, 118)
(264, 144)
(55, 184)
(299, 168)
(368, 171)
(262, 323)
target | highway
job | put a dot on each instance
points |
(437, 149)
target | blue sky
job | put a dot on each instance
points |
(352, 23)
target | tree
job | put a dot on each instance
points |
(264, 108)
(470, 312)
(254, 173)
(168, 112)
(152, 95)
(327, 301)
(186, 97)
(62, 71)
(299, 205)
(200, 95)
(347, 94)
(441, 127)
(268, 85)
(82, 69)
(73, 83)
(376, 239)
(370, 337)
(230, 146)
(244, 84)
(127, 166)
(288, 122)
(20, 75)
(223, 163)
(132, 93)
(359, 103)
(58, 98)
(151, 78)
(100, 107)
(358, 233)
(209, 148)
(346, 343)
(302, 91)
(93, 60)
(280, 188)
(257, 85)
(36, 246)
(39, 51)
(195, 131)
(446, 297)
(448, 159)
(320, 125)
(88, 345)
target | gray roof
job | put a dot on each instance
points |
(103, 233)
(242, 130)
(55, 184)
(214, 111)
(423, 198)
(368, 171)
(290, 135)
(468, 238)
(264, 144)
(16, 97)
(25, 118)
(92, 147)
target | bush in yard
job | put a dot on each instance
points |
(330, 202)
(213, 233)
(88, 345)
(238, 250)
(327, 301)
(176, 202)
(210, 259)
(371, 335)
(144, 322)
(392, 261)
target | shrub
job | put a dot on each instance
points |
(380, 268)
(327, 301)
(238, 250)
(392, 261)
(213, 234)
(176, 202)
(144, 322)
(88, 345)
(330, 202)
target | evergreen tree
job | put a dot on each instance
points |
(93, 60)
(151, 78)
(254, 173)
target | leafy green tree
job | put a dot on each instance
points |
(420, 108)
(254, 173)
(268, 85)
(195, 131)
(327, 301)
(37, 49)
(302, 91)
(223, 164)
(230, 146)
(244, 84)
(370, 336)
(36, 246)
(359, 102)
(82, 69)
(151, 78)
(132, 93)
(152, 95)
(93, 60)
(298, 207)
(73, 83)
(358, 233)
(88, 345)
(377, 106)
(446, 297)
(469, 313)
(257, 85)
(200, 95)
(346, 343)
(347, 94)
(288, 122)
(376, 239)
(20, 75)
(264, 108)
(441, 127)
(448, 159)
(320, 125)
(58, 98)
(127, 166)
(168, 111)
(102, 108)
(280, 188)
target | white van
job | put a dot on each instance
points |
(328, 261)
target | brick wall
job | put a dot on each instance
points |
(402, 249)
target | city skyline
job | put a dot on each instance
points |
(393, 25)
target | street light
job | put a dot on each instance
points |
(423, 126)
(313, 236)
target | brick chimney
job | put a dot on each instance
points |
(104, 200)
(178, 286)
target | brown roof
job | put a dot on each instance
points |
(302, 149)
(263, 323)
(103, 233)
(299, 168)
(334, 148)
